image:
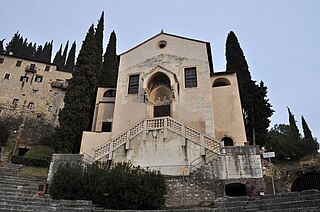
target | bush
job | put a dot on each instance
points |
(30, 161)
(122, 187)
(4, 134)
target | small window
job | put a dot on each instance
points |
(109, 93)
(31, 105)
(133, 84)
(18, 64)
(221, 82)
(35, 91)
(32, 66)
(190, 77)
(1, 110)
(24, 79)
(50, 108)
(1, 60)
(106, 126)
(7, 76)
(47, 68)
(38, 78)
(39, 118)
(162, 44)
(15, 101)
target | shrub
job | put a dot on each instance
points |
(123, 187)
(30, 161)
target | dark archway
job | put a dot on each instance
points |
(307, 181)
(221, 82)
(227, 141)
(160, 94)
(236, 189)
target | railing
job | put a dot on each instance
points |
(154, 124)
(201, 161)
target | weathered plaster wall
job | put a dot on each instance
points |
(228, 120)
(192, 106)
(92, 140)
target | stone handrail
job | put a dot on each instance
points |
(154, 124)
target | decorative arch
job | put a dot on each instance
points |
(221, 82)
(110, 93)
(236, 189)
(159, 94)
(227, 141)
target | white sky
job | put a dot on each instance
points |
(280, 38)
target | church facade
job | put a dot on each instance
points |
(171, 112)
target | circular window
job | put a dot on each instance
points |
(162, 44)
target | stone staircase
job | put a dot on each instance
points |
(163, 123)
(20, 194)
(308, 200)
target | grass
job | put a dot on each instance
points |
(9, 146)
(30, 171)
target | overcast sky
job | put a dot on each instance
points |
(280, 38)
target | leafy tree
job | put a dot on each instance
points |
(71, 58)
(256, 107)
(109, 68)
(74, 118)
(286, 142)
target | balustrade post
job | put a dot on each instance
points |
(110, 151)
(165, 129)
(127, 145)
(202, 147)
(144, 133)
(183, 135)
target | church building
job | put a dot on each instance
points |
(172, 112)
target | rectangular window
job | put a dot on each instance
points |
(190, 77)
(50, 108)
(24, 79)
(106, 126)
(15, 101)
(47, 68)
(38, 118)
(133, 87)
(1, 60)
(38, 78)
(31, 105)
(7, 76)
(18, 64)
(35, 91)
(32, 66)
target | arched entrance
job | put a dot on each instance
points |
(236, 190)
(306, 181)
(227, 141)
(160, 95)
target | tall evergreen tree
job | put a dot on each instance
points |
(109, 68)
(64, 56)
(58, 58)
(46, 52)
(306, 131)
(256, 107)
(71, 58)
(293, 129)
(99, 41)
(74, 118)
(1, 46)
(38, 52)
(15, 45)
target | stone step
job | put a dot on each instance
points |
(292, 204)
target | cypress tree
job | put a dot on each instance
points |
(109, 68)
(1, 46)
(99, 41)
(71, 58)
(74, 118)
(306, 131)
(293, 129)
(64, 56)
(38, 53)
(256, 107)
(15, 45)
(46, 52)
(58, 58)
